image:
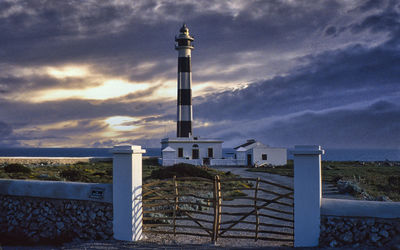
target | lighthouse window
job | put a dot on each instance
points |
(264, 157)
(180, 152)
(184, 43)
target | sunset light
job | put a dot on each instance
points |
(121, 123)
(109, 89)
(69, 71)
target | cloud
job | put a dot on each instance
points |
(330, 31)
(255, 64)
(73, 109)
(334, 78)
(370, 127)
(5, 129)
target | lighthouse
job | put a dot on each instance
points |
(185, 147)
(190, 149)
(184, 103)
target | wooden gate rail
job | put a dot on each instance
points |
(252, 237)
(165, 198)
(253, 211)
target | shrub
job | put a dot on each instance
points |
(180, 170)
(17, 168)
(153, 161)
(394, 181)
(71, 174)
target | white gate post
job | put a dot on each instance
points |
(307, 195)
(127, 192)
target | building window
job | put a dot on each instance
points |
(195, 145)
(195, 154)
(264, 157)
(180, 152)
(210, 153)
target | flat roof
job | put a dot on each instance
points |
(190, 140)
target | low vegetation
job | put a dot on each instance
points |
(187, 170)
(375, 178)
(101, 172)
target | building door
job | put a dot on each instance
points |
(249, 160)
(195, 153)
(210, 153)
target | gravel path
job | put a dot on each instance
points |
(230, 242)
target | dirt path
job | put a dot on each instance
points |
(328, 189)
(229, 219)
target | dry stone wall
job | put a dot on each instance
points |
(28, 219)
(359, 232)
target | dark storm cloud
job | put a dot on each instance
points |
(330, 31)
(351, 66)
(374, 126)
(5, 129)
(371, 4)
(388, 20)
(11, 83)
(333, 79)
(25, 114)
(341, 79)
(65, 32)
(79, 128)
(116, 38)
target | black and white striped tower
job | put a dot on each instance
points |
(184, 47)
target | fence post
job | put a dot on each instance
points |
(217, 208)
(127, 192)
(176, 200)
(307, 195)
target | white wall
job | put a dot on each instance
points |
(203, 148)
(360, 208)
(171, 162)
(225, 162)
(57, 190)
(169, 154)
(275, 156)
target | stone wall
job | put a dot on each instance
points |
(28, 219)
(339, 231)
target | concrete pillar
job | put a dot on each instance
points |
(307, 195)
(127, 192)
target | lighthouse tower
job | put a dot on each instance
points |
(185, 147)
(184, 113)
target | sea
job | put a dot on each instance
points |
(330, 154)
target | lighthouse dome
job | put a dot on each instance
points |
(184, 29)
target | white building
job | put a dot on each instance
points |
(254, 153)
(191, 150)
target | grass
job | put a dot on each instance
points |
(101, 172)
(377, 179)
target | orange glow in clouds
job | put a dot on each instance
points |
(109, 89)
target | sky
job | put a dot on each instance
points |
(283, 72)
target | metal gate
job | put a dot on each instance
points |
(246, 208)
